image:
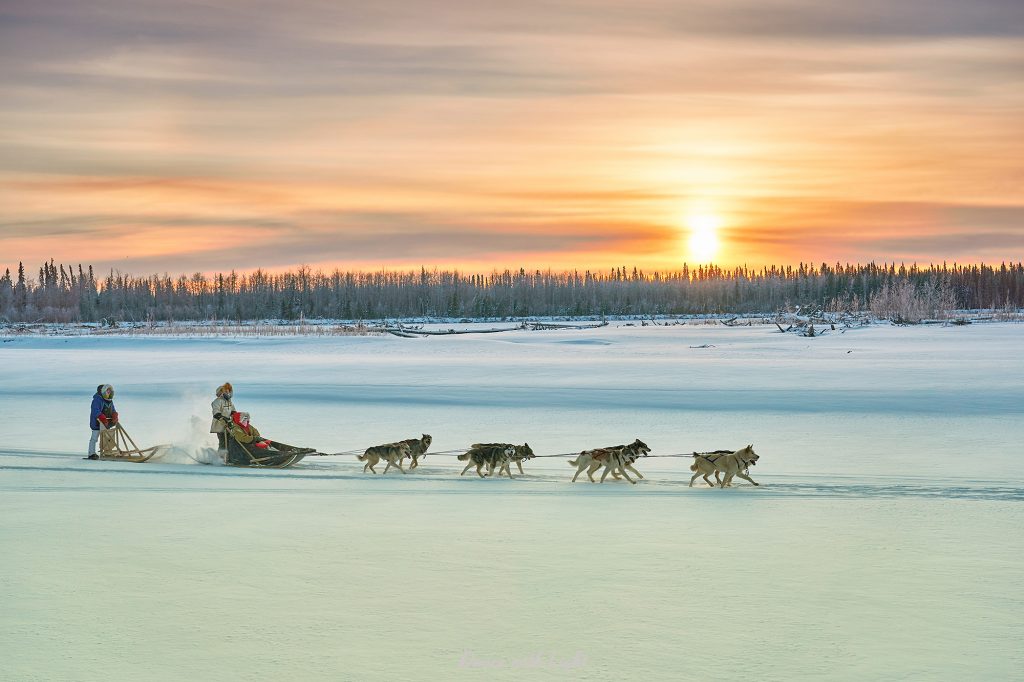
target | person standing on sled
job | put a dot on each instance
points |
(103, 414)
(222, 408)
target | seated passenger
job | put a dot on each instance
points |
(245, 433)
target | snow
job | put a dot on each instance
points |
(884, 541)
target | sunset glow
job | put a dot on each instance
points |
(166, 136)
(703, 240)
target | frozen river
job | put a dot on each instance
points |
(883, 543)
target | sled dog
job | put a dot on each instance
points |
(628, 463)
(704, 465)
(417, 448)
(614, 459)
(394, 453)
(592, 460)
(490, 456)
(729, 463)
(494, 456)
(520, 453)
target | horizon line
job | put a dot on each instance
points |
(684, 267)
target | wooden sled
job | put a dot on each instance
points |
(117, 445)
(276, 456)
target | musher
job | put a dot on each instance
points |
(102, 415)
(222, 409)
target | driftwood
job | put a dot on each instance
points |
(538, 326)
(814, 322)
(402, 333)
(413, 332)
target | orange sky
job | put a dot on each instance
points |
(156, 136)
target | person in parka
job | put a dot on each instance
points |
(222, 408)
(245, 432)
(102, 414)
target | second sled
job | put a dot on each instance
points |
(117, 446)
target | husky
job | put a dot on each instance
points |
(494, 455)
(417, 448)
(521, 452)
(730, 463)
(394, 453)
(617, 458)
(641, 451)
(592, 460)
(704, 465)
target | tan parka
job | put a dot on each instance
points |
(220, 406)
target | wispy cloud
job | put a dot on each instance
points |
(560, 132)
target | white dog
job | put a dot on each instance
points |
(731, 464)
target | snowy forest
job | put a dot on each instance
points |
(62, 293)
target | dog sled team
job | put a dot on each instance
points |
(617, 460)
(240, 443)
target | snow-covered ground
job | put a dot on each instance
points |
(883, 543)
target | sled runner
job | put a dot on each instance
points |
(117, 445)
(275, 456)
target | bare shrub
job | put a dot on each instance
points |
(903, 302)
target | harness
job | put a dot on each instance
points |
(711, 459)
(628, 454)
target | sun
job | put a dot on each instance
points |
(703, 236)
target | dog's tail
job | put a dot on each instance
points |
(574, 462)
(464, 456)
(362, 457)
(697, 457)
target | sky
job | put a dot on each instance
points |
(179, 136)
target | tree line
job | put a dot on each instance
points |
(75, 294)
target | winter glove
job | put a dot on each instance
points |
(102, 419)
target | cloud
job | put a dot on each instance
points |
(883, 231)
(503, 131)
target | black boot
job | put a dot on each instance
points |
(94, 456)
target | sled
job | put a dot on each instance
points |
(276, 456)
(116, 445)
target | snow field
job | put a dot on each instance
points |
(883, 543)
